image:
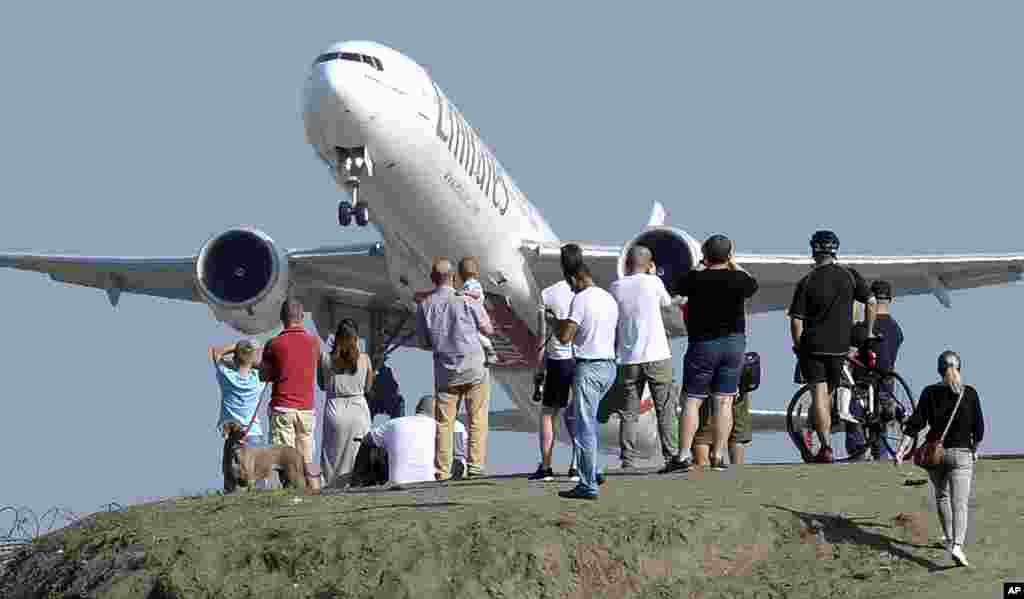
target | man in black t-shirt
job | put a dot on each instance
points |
(716, 327)
(821, 319)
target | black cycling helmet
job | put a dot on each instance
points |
(947, 359)
(882, 290)
(824, 242)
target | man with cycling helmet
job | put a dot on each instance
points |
(821, 319)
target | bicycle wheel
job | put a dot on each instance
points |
(895, 405)
(801, 429)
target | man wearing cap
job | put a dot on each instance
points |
(890, 338)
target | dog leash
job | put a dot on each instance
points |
(256, 412)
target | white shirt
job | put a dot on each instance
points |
(641, 334)
(409, 441)
(596, 314)
(558, 297)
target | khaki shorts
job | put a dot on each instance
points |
(742, 427)
(293, 428)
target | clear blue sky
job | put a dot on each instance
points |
(144, 128)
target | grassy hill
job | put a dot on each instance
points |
(854, 530)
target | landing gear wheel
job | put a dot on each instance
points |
(344, 214)
(362, 214)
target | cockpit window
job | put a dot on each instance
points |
(373, 61)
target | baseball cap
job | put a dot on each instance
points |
(882, 290)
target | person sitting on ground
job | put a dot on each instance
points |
(469, 272)
(240, 390)
(409, 442)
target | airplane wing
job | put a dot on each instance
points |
(936, 274)
(348, 279)
(778, 274)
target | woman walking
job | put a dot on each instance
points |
(952, 407)
(346, 375)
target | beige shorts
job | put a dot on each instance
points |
(293, 428)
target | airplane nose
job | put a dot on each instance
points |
(334, 105)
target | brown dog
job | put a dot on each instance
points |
(244, 465)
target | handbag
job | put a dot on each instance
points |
(932, 453)
(750, 379)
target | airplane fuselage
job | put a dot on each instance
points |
(436, 190)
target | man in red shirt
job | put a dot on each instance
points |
(289, 362)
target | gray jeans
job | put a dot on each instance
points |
(952, 482)
(659, 376)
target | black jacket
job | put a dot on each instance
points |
(934, 408)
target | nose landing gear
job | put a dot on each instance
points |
(351, 166)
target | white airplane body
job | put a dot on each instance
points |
(422, 175)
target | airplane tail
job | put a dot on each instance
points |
(658, 215)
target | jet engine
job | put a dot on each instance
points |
(243, 276)
(675, 252)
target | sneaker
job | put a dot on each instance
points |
(542, 473)
(958, 555)
(676, 465)
(577, 493)
(860, 454)
(600, 479)
(574, 475)
(824, 456)
(718, 464)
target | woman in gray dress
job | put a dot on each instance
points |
(346, 375)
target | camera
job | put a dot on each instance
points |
(538, 387)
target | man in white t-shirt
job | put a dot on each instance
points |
(644, 355)
(409, 441)
(590, 327)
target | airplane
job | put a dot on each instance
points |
(411, 164)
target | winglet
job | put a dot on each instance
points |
(940, 290)
(114, 286)
(658, 215)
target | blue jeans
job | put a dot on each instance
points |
(590, 383)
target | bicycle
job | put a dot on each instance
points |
(887, 402)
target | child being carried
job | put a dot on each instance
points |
(469, 272)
